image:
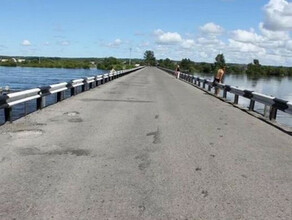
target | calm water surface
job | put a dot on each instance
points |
(280, 87)
(20, 78)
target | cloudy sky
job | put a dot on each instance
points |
(242, 30)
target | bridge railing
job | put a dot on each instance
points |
(73, 87)
(272, 104)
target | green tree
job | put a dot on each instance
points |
(255, 68)
(219, 61)
(205, 68)
(167, 63)
(149, 58)
(187, 65)
(256, 62)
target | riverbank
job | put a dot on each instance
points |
(68, 63)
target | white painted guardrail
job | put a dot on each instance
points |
(7, 101)
(272, 104)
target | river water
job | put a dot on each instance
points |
(21, 78)
(18, 78)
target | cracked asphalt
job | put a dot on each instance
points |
(144, 146)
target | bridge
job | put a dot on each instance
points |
(145, 146)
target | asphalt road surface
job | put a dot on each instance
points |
(144, 146)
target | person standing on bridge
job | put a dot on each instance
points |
(177, 72)
(218, 79)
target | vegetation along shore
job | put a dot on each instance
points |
(252, 69)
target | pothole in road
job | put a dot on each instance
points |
(74, 117)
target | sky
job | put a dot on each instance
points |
(242, 30)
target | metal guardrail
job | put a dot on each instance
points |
(7, 101)
(272, 104)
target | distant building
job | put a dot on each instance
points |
(20, 60)
(4, 60)
(14, 60)
(137, 65)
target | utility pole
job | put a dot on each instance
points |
(130, 56)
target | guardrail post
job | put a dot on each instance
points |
(60, 96)
(8, 114)
(236, 99)
(273, 113)
(251, 105)
(209, 88)
(73, 91)
(224, 93)
(41, 102)
(103, 80)
(83, 87)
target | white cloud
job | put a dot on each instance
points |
(278, 15)
(245, 47)
(289, 45)
(163, 51)
(25, 43)
(210, 42)
(116, 43)
(246, 36)
(167, 38)
(203, 55)
(188, 44)
(212, 29)
(273, 35)
(272, 46)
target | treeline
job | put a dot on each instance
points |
(69, 63)
(252, 69)
(47, 62)
(189, 66)
(117, 64)
(255, 69)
